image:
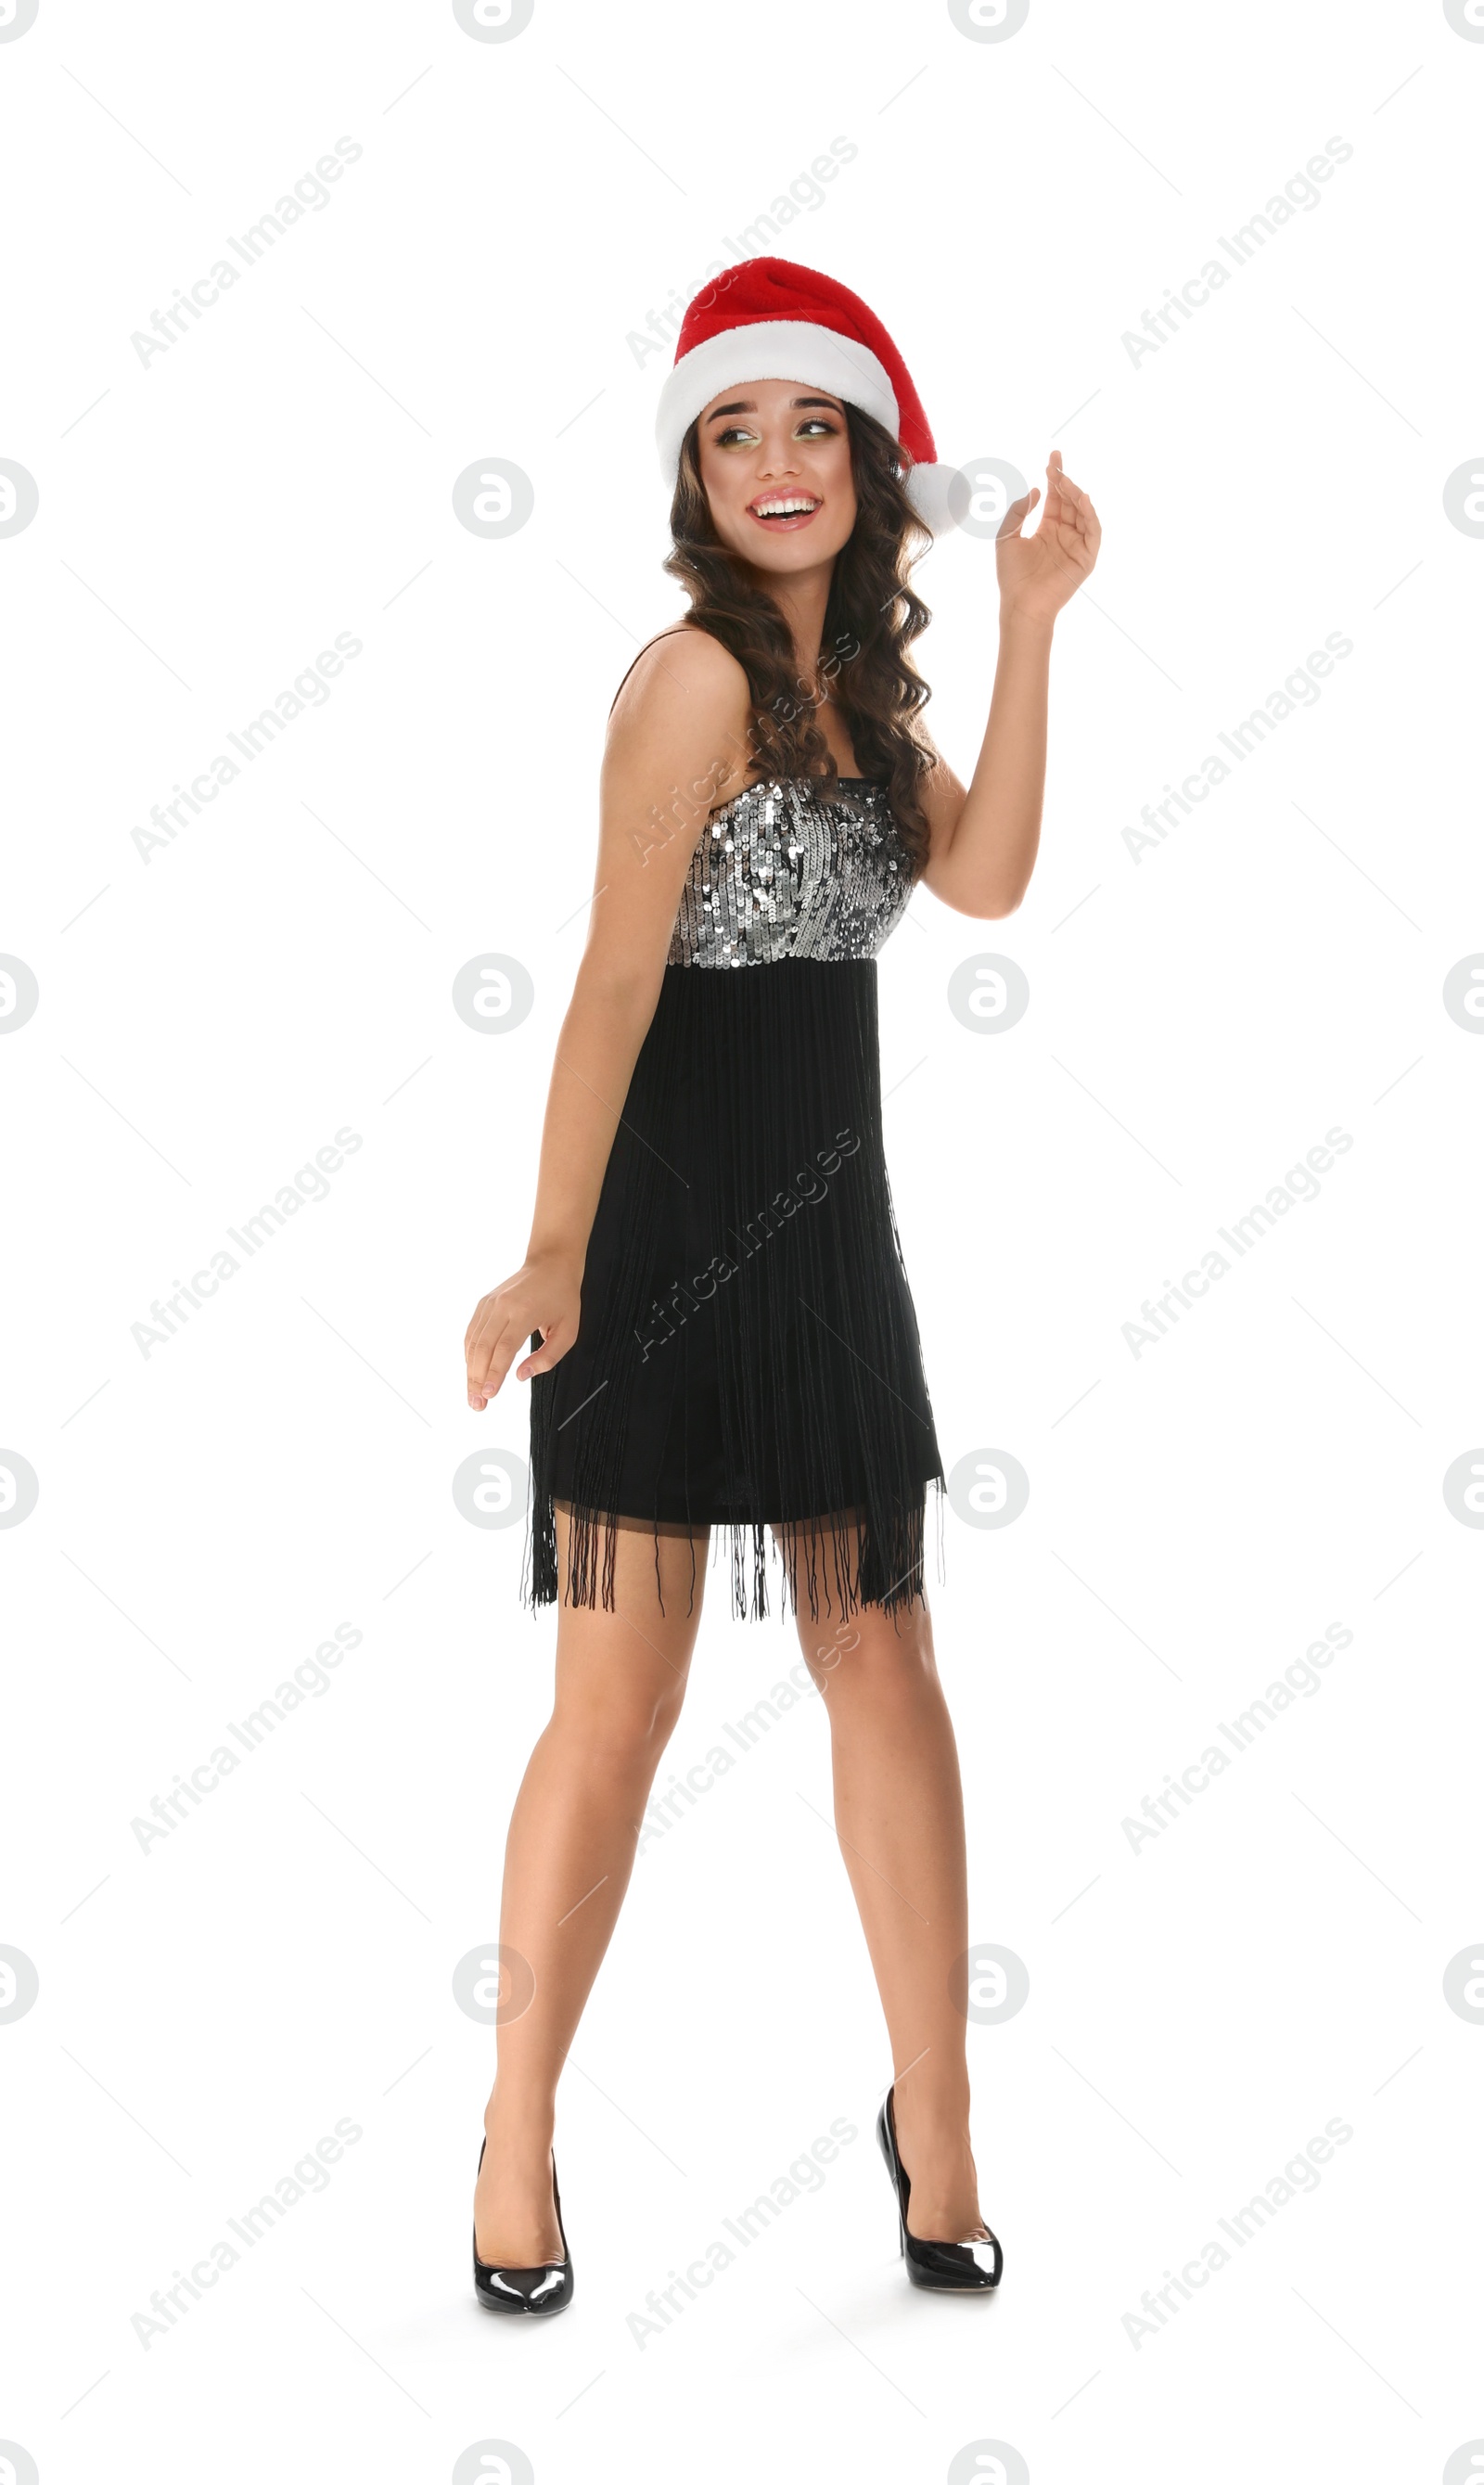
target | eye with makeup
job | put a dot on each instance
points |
(810, 427)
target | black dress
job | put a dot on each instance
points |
(748, 1355)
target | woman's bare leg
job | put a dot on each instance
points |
(899, 1815)
(621, 1680)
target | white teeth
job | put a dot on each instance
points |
(784, 508)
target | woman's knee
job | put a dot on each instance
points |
(873, 1654)
(620, 1711)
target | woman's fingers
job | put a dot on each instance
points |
(553, 1347)
(486, 1356)
(534, 1303)
(1069, 509)
(491, 1356)
(486, 1312)
(1019, 511)
(1065, 483)
(1080, 503)
(499, 1365)
(483, 1329)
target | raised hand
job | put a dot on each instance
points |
(1039, 573)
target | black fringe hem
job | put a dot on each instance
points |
(844, 1568)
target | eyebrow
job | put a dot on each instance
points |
(748, 405)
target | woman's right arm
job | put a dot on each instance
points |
(679, 722)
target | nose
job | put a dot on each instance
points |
(778, 459)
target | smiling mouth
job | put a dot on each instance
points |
(784, 511)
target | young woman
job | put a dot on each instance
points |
(721, 1329)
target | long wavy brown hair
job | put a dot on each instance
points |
(871, 619)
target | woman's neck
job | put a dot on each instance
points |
(802, 601)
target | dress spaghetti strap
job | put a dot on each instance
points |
(643, 651)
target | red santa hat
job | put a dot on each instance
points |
(767, 319)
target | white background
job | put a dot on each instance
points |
(1198, 1019)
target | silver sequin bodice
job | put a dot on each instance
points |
(783, 872)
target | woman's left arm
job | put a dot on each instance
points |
(983, 842)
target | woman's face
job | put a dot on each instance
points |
(775, 466)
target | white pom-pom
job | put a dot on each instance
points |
(929, 489)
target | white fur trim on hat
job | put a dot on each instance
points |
(769, 350)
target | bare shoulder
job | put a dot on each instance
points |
(677, 739)
(687, 695)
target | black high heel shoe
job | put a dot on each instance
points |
(545, 2289)
(969, 2268)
